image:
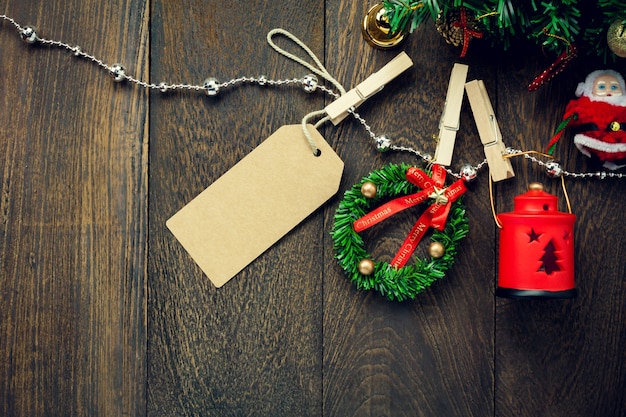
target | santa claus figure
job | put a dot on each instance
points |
(598, 118)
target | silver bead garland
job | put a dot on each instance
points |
(118, 72)
(468, 173)
(382, 143)
(310, 84)
(211, 87)
(29, 35)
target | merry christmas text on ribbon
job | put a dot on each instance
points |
(435, 216)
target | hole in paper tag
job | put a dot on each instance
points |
(259, 200)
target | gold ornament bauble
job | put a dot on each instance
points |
(616, 38)
(366, 267)
(376, 29)
(436, 250)
(369, 189)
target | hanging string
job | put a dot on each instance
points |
(317, 69)
(307, 134)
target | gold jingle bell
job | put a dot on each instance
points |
(377, 31)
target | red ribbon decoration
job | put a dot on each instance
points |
(467, 32)
(555, 68)
(435, 216)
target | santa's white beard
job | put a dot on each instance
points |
(614, 100)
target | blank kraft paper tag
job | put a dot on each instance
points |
(254, 204)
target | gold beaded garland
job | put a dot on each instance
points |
(369, 189)
(366, 267)
(436, 250)
(616, 38)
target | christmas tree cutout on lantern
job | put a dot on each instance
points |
(549, 259)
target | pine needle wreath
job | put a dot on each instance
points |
(397, 284)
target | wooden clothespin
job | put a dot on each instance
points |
(450, 119)
(499, 167)
(338, 109)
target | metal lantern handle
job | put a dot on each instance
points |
(493, 207)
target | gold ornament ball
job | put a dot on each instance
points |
(436, 250)
(369, 189)
(366, 267)
(616, 38)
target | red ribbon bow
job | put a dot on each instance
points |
(435, 216)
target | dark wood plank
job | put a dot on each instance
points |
(253, 346)
(562, 358)
(73, 210)
(431, 356)
(289, 335)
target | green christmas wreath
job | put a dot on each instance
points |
(394, 283)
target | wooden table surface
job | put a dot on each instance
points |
(103, 313)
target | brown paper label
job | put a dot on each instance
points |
(254, 204)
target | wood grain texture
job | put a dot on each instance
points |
(102, 312)
(563, 358)
(73, 213)
(254, 346)
(432, 356)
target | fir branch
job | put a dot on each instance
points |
(551, 24)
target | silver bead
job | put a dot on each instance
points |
(309, 83)
(262, 80)
(553, 169)
(29, 35)
(382, 143)
(510, 150)
(77, 51)
(211, 87)
(118, 72)
(163, 87)
(468, 173)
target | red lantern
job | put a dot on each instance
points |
(536, 248)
